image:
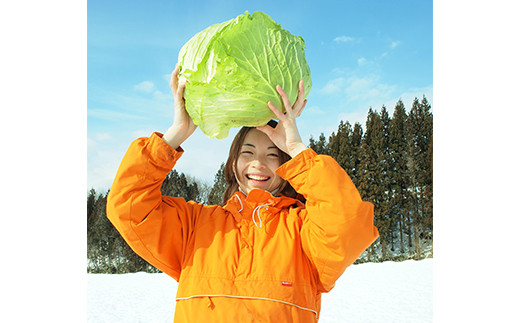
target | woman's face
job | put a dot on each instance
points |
(257, 162)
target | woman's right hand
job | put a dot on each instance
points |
(183, 125)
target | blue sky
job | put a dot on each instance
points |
(362, 54)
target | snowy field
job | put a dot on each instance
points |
(370, 292)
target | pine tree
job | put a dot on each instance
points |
(356, 141)
(321, 146)
(428, 168)
(193, 192)
(91, 200)
(428, 192)
(339, 145)
(176, 185)
(398, 165)
(371, 184)
(219, 186)
(99, 236)
(182, 187)
(91, 219)
(385, 203)
(313, 144)
(170, 184)
(419, 133)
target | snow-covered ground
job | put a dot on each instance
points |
(370, 292)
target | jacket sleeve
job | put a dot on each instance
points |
(156, 227)
(337, 225)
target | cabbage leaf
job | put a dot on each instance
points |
(232, 70)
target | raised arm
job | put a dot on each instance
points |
(337, 224)
(156, 227)
(183, 125)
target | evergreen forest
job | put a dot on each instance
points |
(390, 161)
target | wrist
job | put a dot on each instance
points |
(174, 137)
(296, 149)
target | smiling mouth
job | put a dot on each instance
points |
(259, 178)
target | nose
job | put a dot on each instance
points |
(258, 162)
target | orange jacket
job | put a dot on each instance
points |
(259, 258)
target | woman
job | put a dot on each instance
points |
(263, 256)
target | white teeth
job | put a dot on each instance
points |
(258, 177)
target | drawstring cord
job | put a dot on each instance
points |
(239, 200)
(255, 211)
(246, 297)
(210, 303)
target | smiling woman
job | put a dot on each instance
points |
(222, 255)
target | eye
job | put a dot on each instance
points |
(273, 155)
(246, 152)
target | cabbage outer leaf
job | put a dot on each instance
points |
(232, 70)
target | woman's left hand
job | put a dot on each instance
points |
(285, 135)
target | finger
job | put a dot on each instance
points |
(180, 89)
(301, 96)
(275, 110)
(174, 80)
(301, 109)
(285, 98)
(268, 130)
(298, 108)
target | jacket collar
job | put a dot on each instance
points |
(241, 205)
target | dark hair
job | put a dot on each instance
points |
(229, 171)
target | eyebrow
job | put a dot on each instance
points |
(251, 145)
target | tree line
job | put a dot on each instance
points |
(390, 162)
(107, 252)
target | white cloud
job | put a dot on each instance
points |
(360, 91)
(368, 89)
(158, 97)
(359, 116)
(394, 44)
(408, 97)
(161, 96)
(145, 86)
(334, 86)
(355, 95)
(313, 110)
(343, 39)
(361, 61)
(338, 71)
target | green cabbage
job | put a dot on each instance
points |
(232, 70)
